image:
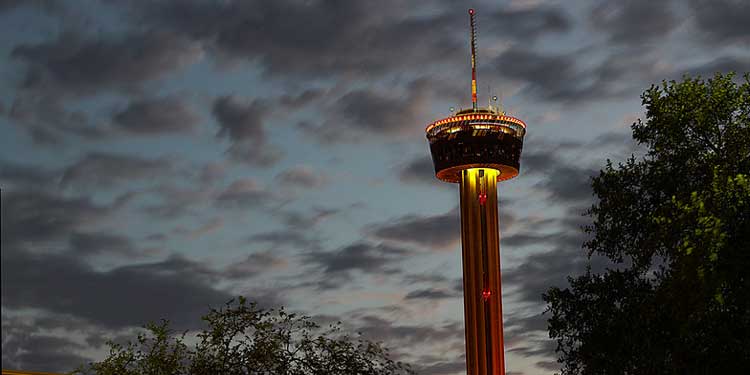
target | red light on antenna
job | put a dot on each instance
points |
(471, 10)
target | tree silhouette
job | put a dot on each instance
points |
(677, 225)
(242, 338)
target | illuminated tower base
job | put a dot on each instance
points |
(480, 241)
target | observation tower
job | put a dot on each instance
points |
(477, 148)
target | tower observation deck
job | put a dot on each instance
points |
(477, 148)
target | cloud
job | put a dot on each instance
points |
(313, 40)
(557, 77)
(244, 193)
(723, 64)
(101, 243)
(294, 238)
(563, 182)
(444, 367)
(419, 171)
(106, 170)
(385, 112)
(324, 39)
(299, 220)
(175, 201)
(49, 6)
(47, 120)
(255, 264)
(73, 65)
(30, 217)
(362, 257)
(26, 346)
(242, 122)
(615, 18)
(16, 176)
(124, 296)
(722, 21)
(376, 328)
(212, 173)
(525, 24)
(431, 293)
(441, 231)
(162, 115)
(208, 227)
(301, 176)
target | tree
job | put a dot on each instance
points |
(676, 226)
(245, 339)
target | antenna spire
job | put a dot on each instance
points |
(473, 60)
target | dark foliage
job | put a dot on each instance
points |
(242, 339)
(676, 224)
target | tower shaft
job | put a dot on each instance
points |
(480, 239)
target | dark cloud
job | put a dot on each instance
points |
(419, 170)
(212, 173)
(525, 325)
(36, 217)
(293, 238)
(242, 122)
(240, 119)
(100, 243)
(50, 6)
(616, 18)
(444, 367)
(105, 170)
(376, 328)
(301, 176)
(47, 120)
(175, 201)
(723, 64)
(428, 278)
(568, 184)
(386, 112)
(316, 39)
(124, 296)
(73, 65)
(362, 257)
(302, 99)
(255, 264)
(299, 220)
(544, 270)
(430, 294)
(556, 78)
(722, 21)
(564, 182)
(441, 231)
(524, 24)
(208, 227)
(14, 176)
(319, 39)
(168, 114)
(26, 347)
(244, 193)
(548, 365)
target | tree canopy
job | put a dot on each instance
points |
(676, 226)
(244, 339)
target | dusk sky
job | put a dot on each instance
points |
(158, 158)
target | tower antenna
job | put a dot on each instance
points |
(473, 60)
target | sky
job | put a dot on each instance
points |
(161, 157)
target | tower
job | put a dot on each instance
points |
(477, 148)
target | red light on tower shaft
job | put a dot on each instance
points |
(477, 148)
(486, 294)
